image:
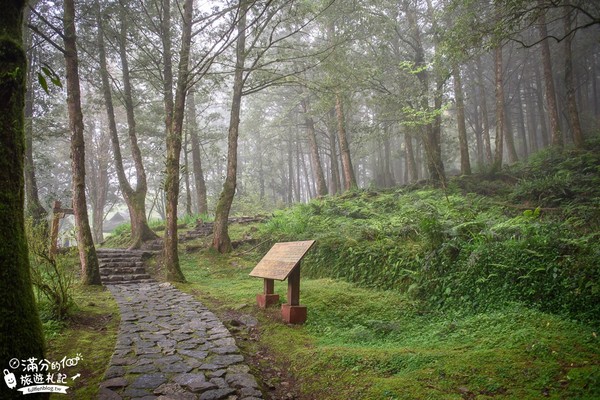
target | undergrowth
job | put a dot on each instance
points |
(533, 241)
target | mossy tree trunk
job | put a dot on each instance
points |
(20, 328)
(221, 240)
(174, 137)
(90, 270)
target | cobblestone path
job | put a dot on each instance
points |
(171, 347)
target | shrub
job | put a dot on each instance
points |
(52, 275)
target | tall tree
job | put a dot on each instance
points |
(314, 150)
(331, 134)
(549, 91)
(500, 118)
(573, 112)
(347, 168)
(97, 160)
(20, 327)
(221, 240)
(87, 251)
(135, 198)
(465, 163)
(174, 126)
(35, 210)
(199, 182)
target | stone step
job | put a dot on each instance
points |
(122, 270)
(121, 263)
(121, 266)
(117, 256)
(124, 278)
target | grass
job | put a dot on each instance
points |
(411, 293)
(92, 333)
(372, 344)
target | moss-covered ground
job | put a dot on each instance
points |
(92, 333)
(362, 343)
(488, 289)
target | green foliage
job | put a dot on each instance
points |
(360, 343)
(52, 276)
(191, 219)
(467, 252)
(50, 73)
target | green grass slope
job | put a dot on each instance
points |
(528, 235)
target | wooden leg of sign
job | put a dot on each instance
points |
(293, 312)
(293, 293)
(269, 286)
(268, 297)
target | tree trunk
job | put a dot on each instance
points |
(290, 171)
(521, 124)
(186, 175)
(484, 112)
(499, 109)
(570, 84)
(349, 177)
(90, 271)
(388, 173)
(298, 185)
(310, 191)
(140, 231)
(34, 209)
(550, 92)
(97, 174)
(334, 186)
(199, 182)
(174, 136)
(134, 198)
(432, 136)
(510, 138)
(21, 334)
(531, 121)
(221, 240)
(540, 105)
(465, 163)
(411, 164)
(314, 150)
(478, 128)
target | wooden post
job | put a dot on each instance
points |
(293, 293)
(269, 297)
(269, 286)
(292, 312)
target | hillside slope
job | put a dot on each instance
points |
(528, 235)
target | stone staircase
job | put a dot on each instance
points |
(122, 266)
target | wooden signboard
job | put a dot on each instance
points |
(280, 263)
(281, 260)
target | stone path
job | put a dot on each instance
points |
(171, 347)
(121, 266)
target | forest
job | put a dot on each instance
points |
(444, 155)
